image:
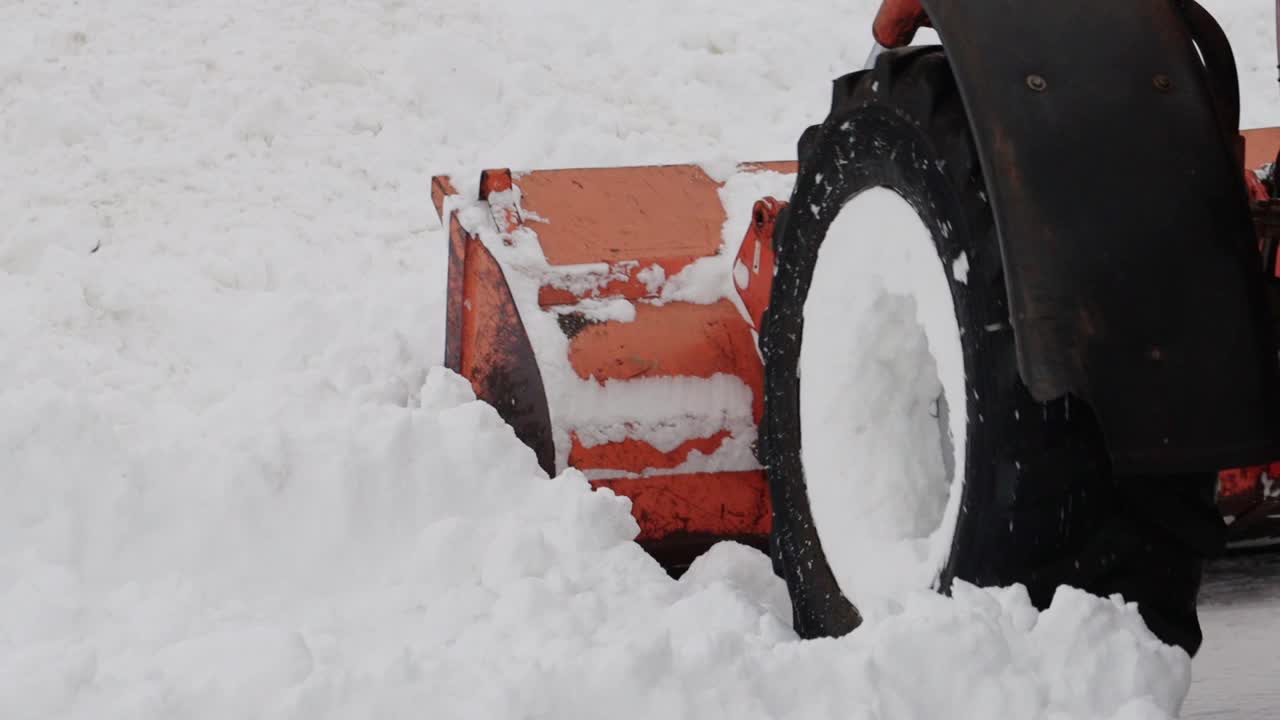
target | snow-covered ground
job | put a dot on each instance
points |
(234, 485)
(1234, 674)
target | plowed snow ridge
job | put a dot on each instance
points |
(234, 484)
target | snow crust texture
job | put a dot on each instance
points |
(236, 485)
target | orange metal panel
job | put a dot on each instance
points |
(492, 181)
(673, 340)
(611, 214)
(786, 167)
(705, 503)
(1260, 146)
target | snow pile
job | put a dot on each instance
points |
(233, 484)
(402, 562)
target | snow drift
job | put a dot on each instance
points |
(396, 562)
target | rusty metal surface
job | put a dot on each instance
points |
(441, 189)
(485, 339)
(1130, 258)
(497, 356)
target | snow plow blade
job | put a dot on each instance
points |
(610, 315)
(596, 310)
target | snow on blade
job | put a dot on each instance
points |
(711, 278)
(235, 485)
(663, 412)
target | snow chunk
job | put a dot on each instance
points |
(741, 275)
(720, 169)
(445, 389)
(653, 278)
(960, 268)
(598, 310)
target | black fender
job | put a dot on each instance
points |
(1130, 256)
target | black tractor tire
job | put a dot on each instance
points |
(1039, 504)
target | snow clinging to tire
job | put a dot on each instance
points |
(882, 400)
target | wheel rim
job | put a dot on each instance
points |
(883, 401)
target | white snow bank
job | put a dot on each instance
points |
(415, 562)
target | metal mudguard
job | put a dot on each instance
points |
(1132, 267)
